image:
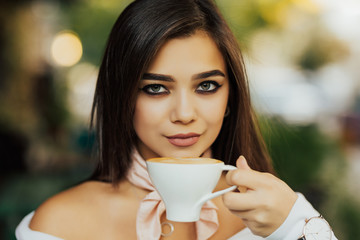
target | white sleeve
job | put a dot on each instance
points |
(23, 231)
(292, 227)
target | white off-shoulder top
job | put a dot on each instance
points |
(291, 229)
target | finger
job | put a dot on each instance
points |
(246, 178)
(242, 163)
(235, 201)
(246, 215)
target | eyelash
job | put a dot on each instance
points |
(215, 87)
(148, 89)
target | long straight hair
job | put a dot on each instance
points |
(137, 35)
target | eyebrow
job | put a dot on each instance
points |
(207, 74)
(168, 78)
(155, 76)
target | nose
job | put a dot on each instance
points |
(184, 110)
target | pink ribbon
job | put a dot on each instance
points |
(148, 225)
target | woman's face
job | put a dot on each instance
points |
(182, 99)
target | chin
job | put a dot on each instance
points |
(186, 152)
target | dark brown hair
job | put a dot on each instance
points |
(139, 32)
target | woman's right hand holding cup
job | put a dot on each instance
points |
(263, 201)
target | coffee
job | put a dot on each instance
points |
(185, 160)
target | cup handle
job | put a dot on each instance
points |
(221, 192)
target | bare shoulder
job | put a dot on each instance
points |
(70, 214)
(62, 203)
(64, 209)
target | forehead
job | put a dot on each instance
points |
(195, 53)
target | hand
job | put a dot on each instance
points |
(264, 201)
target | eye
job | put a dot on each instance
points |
(154, 89)
(208, 87)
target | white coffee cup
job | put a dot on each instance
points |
(185, 184)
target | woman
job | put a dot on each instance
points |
(172, 83)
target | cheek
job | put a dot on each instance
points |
(214, 111)
(140, 117)
(147, 114)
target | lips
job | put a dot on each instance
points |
(183, 140)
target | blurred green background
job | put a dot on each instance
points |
(303, 65)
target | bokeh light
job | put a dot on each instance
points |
(66, 49)
(81, 81)
(302, 62)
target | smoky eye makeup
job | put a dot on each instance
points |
(208, 87)
(156, 84)
(154, 89)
